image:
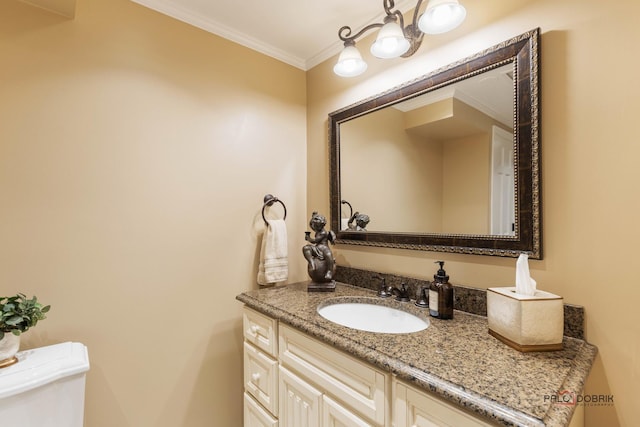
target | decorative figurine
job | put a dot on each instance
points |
(322, 266)
(361, 222)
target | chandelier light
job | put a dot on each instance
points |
(394, 39)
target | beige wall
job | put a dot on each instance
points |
(590, 170)
(135, 151)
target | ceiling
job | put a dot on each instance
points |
(302, 33)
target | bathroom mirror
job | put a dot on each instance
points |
(448, 162)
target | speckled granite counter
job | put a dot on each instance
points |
(455, 359)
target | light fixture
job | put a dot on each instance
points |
(441, 16)
(394, 39)
(350, 62)
(391, 41)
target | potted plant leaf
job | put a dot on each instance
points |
(17, 314)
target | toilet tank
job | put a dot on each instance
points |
(45, 388)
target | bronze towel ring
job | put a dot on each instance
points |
(269, 200)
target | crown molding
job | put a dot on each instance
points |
(219, 29)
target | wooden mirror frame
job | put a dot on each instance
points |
(523, 51)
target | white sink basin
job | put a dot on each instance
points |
(373, 318)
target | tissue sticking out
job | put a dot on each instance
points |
(525, 285)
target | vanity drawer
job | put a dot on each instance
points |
(261, 331)
(261, 377)
(255, 415)
(355, 384)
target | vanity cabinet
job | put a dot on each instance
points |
(294, 380)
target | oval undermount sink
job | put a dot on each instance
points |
(373, 318)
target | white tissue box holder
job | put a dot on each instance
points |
(526, 323)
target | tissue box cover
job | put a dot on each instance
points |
(526, 323)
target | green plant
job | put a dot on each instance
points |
(19, 313)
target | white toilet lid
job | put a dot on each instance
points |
(43, 365)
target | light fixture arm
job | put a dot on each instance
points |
(411, 32)
(344, 33)
(388, 6)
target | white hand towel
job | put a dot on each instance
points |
(274, 261)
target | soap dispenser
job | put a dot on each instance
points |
(441, 295)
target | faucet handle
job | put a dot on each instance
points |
(383, 292)
(402, 293)
(422, 300)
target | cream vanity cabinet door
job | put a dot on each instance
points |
(299, 401)
(354, 393)
(415, 408)
(260, 369)
(336, 415)
(302, 405)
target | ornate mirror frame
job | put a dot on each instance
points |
(523, 51)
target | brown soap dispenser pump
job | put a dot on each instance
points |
(441, 295)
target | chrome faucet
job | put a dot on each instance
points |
(401, 294)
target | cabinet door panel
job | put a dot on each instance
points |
(354, 383)
(335, 415)
(415, 408)
(299, 402)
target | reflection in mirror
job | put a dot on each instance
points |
(448, 162)
(442, 162)
(356, 221)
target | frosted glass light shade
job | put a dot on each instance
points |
(390, 42)
(441, 16)
(350, 63)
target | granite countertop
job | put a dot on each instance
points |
(455, 359)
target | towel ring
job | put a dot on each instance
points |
(269, 200)
(343, 202)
